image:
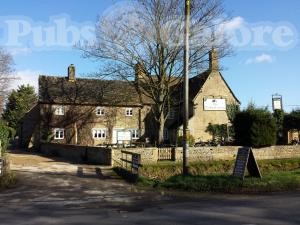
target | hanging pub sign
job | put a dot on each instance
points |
(245, 158)
(277, 102)
(214, 104)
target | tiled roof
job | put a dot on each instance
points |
(88, 91)
(195, 84)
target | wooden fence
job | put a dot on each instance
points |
(166, 153)
(131, 161)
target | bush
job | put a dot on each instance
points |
(190, 139)
(5, 135)
(255, 127)
(219, 132)
(292, 120)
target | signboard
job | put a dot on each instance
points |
(136, 161)
(277, 102)
(124, 136)
(215, 104)
(1, 167)
(245, 158)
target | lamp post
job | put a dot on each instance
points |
(185, 143)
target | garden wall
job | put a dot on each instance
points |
(78, 154)
(150, 155)
(107, 156)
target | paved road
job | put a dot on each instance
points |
(52, 192)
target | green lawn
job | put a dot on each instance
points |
(215, 176)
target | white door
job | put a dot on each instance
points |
(115, 135)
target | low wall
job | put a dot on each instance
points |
(107, 156)
(75, 153)
(150, 155)
(230, 152)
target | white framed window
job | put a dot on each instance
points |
(128, 111)
(59, 133)
(99, 133)
(59, 110)
(135, 134)
(100, 111)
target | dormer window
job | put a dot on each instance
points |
(59, 111)
(100, 111)
(129, 112)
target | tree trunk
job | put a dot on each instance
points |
(161, 127)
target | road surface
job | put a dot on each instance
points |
(54, 192)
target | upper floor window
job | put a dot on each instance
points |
(59, 110)
(100, 111)
(59, 133)
(135, 134)
(99, 133)
(129, 112)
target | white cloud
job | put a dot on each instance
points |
(263, 58)
(26, 77)
(233, 24)
(20, 51)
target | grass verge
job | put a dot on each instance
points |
(7, 180)
(278, 175)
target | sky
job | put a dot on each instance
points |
(265, 42)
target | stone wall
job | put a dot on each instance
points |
(107, 156)
(79, 154)
(80, 120)
(230, 152)
(150, 155)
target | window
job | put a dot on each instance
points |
(99, 111)
(99, 133)
(59, 134)
(128, 112)
(59, 110)
(135, 134)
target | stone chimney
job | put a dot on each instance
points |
(139, 70)
(213, 60)
(71, 73)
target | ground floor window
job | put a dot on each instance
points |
(135, 134)
(59, 134)
(99, 133)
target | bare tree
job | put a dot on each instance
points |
(142, 42)
(6, 77)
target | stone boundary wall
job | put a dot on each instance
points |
(150, 155)
(78, 154)
(108, 156)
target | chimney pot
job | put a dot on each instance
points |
(71, 73)
(213, 60)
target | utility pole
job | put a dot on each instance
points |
(185, 143)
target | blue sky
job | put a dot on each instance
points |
(254, 73)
